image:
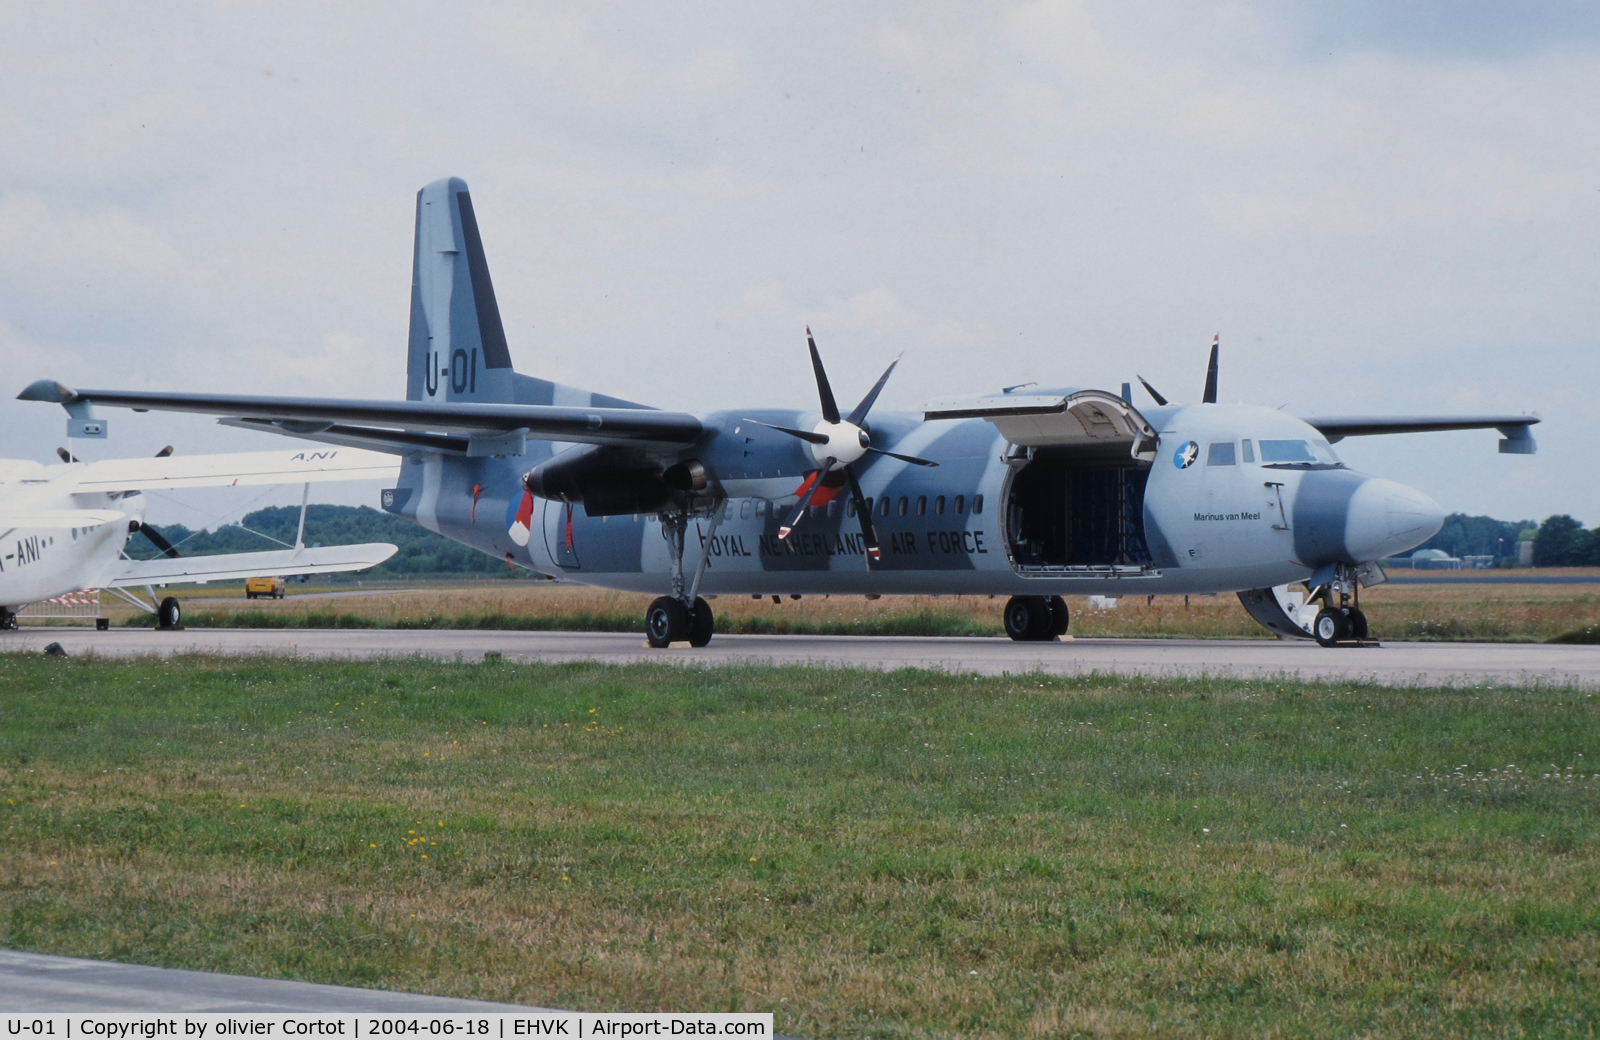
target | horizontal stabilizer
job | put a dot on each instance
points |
(324, 560)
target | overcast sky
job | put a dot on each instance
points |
(1395, 208)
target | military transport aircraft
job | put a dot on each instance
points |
(64, 528)
(1026, 492)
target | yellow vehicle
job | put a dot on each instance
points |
(272, 588)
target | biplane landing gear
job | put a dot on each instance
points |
(682, 616)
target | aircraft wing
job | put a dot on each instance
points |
(285, 466)
(1514, 429)
(497, 428)
(324, 560)
(58, 518)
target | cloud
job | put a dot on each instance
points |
(1063, 191)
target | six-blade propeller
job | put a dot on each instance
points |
(837, 443)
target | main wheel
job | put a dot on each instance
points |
(1059, 618)
(169, 614)
(1358, 623)
(666, 622)
(700, 623)
(1027, 618)
(1331, 627)
(8, 620)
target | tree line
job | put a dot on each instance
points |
(1563, 542)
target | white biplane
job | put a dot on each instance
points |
(65, 528)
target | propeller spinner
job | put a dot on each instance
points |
(839, 442)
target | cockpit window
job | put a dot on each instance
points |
(1298, 451)
(1221, 454)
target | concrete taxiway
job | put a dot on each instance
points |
(34, 982)
(1392, 663)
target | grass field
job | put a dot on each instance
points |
(863, 854)
(1445, 611)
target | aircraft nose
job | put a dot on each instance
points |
(1386, 518)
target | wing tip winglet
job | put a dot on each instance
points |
(48, 391)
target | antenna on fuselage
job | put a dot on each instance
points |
(1152, 390)
(1210, 396)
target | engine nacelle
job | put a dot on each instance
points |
(607, 480)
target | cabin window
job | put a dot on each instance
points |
(977, 504)
(745, 509)
(905, 506)
(883, 506)
(1247, 452)
(850, 508)
(833, 508)
(761, 507)
(961, 504)
(1221, 454)
(922, 505)
(938, 506)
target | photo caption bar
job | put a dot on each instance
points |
(576, 1025)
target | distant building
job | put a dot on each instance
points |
(1434, 560)
(1525, 553)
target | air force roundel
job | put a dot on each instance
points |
(1185, 456)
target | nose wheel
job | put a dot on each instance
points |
(1341, 622)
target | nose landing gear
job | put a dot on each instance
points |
(1344, 624)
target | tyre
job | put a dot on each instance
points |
(1331, 627)
(169, 614)
(700, 623)
(8, 620)
(666, 622)
(1059, 618)
(1358, 624)
(1027, 618)
(249, 595)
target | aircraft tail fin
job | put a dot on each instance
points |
(457, 348)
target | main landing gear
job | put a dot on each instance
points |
(1036, 618)
(1343, 624)
(169, 615)
(682, 617)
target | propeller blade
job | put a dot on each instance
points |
(164, 452)
(1152, 391)
(903, 458)
(830, 408)
(864, 514)
(64, 455)
(157, 540)
(1210, 396)
(805, 435)
(805, 500)
(860, 411)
